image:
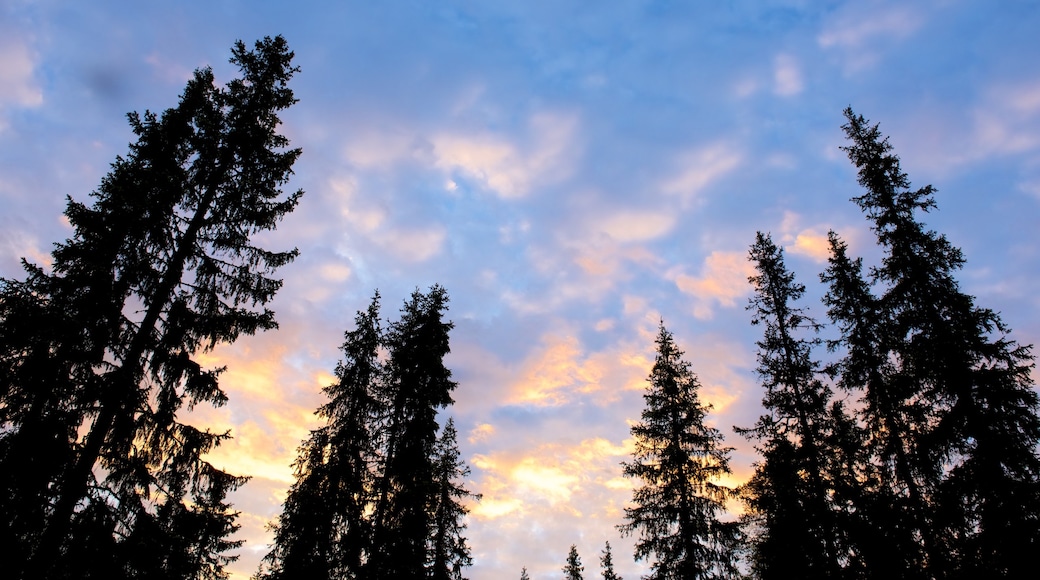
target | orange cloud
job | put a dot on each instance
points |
(723, 279)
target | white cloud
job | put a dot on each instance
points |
(637, 225)
(699, 168)
(857, 31)
(866, 22)
(504, 165)
(787, 76)
(18, 85)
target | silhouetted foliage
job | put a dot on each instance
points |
(678, 460)
(789, 496)
(947, 399)
(524, 575)
(606, 562)
(323, 531)
(98, 477)
(449, 553)
(378, 494)
(573, 569)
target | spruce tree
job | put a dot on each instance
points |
(97, 354)
(678, 460)
(573, 569)
(523, 574)
(606, 562)
(323, 531)
(951, 406)
(789, 495)
(449, 553)
(416, 386)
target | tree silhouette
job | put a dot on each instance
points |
(378, 493)
(789, 495)
(947, 398)
(323, 531)
(678, 460)
(97, 354)
(449, 553)
(573, 569)
(606, 562)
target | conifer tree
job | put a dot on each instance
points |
(378, 493)
(323, 531)
(678, 460)
(606, 562)
(449, 553)
(417, 384)
(97, 354)
(523, 574)
(948, 399)
(573, 569)
(789, 495)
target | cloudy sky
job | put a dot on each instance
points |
(572, 173)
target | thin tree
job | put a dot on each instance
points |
(160, 267)
(323, 530)
(573, 569)
(679, 460)
(789, 495)
(606, 562)
(416, 386)
(449, 552)
(523, 574)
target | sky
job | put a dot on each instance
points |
(573, 173)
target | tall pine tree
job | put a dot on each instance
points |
(448, 551)
(789, 496)
(949, 403)
(678, 460)
(417, 385)
(97, 354)
(378, 494)
(323, 531)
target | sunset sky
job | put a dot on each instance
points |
(572, 173)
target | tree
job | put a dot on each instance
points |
(523, 574)
(789, 495)
(416, 385)
(160, 267)
(378, 493)
(948, 400)
(323, 530)
(679, 460)
(606, 562)
(573, 569)
(449, 553)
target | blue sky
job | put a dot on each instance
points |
(572, 173)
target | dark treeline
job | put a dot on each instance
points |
(911, 455)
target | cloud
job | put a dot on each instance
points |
(863, 24)
(637, 225)
(787, 77)
(18, 85)
(699, 168)
(858, 30)
(723, 279)
(809, 242)
(505, 166)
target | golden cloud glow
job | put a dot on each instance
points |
(723, 279)
(507, 167)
